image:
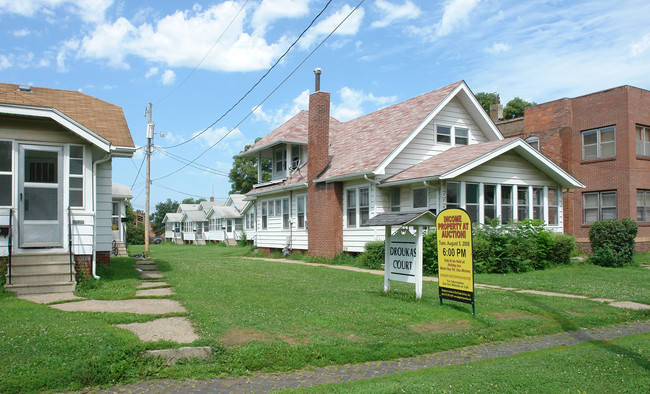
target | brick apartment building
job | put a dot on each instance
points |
(603, 140)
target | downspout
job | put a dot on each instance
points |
(100, 161)
(372, 180)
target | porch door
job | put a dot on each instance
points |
(40, 189)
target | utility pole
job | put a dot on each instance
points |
(150, 126)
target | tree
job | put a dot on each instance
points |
(190, 200)
(163, 208)
(515, 108)
(243, 174)
(134, 233)
(487, 99)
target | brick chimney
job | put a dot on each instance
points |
(324, 200)
(496, 112)
(211, 198)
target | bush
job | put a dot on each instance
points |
(563, 247)
(612, 242)
(373, 257)
(430, 253)
(134, 234)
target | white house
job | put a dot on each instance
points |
(120, 194)
(56, 152)
(430, 152)
(172, 221)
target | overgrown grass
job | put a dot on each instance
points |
(619, 366)
(117, 281)
(270, 316)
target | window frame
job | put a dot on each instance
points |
(487, 206)
(458, 193)
(301, 213)
(395, 199)
(598, 144)
(357, 212)
(426, 198)
(600, 195)
(9, 173)
(553, 206)
(265, 215)
(72, 176)
(644, 217)
(474, 208)
(286, 213)
(644, 141)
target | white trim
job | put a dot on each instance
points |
(60, 118)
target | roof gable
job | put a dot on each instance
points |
(70, 108)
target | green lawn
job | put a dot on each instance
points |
(269, 316)
(619, 366)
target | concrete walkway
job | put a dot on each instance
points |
(614, 303)
(263, 383)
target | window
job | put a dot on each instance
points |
(280, 161)
(116, 216)
(364, 205)
(506, 204)
(642, 140)
(5, 173)
(352, 207)
(301, 210)
(238, 224)
(395, 199)
(420, 198)
(296, 154)
(471, 201)
(490, 201)
(358, 206)
(538, 203)
(278, 207)
(285, 213)
(599, 143)
(553, 206)
(461, 136)
(522, 203)
(264, 215)
(533, 142)
(453, 195)
(643, 206)
(599, 206)
(443, 134)
(271, 208)
(76, 175)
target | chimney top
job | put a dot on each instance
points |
(317, 71)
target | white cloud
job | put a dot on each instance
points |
(271, 10)
(349, 28)
(498, 48)
(21, 33)
(168, 77)
(393, 12)
(639, 48)
(151, 72)
(67, 46)
(4, 62)
(276, 117)
(92, 11)
(223, 137)
(456, 14)
(353, 102)
(182, 39)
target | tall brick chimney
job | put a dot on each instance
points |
(324, 200)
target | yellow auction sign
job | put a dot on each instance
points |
(455, 262)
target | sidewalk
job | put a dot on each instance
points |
(259, 382)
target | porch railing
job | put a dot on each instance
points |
(70, 239)
(9, 244)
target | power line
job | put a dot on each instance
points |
(194, 165)
(206, 55)
(177, 191)
(269, 95)
(139, 169)
(258, 82)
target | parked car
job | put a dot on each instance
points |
(157, 240)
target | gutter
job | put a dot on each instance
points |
(252, 193)
(104, 159)
(342, 177)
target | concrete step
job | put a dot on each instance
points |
(42, 268)
(60, 287)
(231, 242)
(39, 278)
(36, 258)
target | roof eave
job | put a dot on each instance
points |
(249, 153)
(60, 118)
(277, 189)
(344, 177)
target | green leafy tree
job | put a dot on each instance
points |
(190, 200)
(134, 232)
(162, 208)
(515, 108)
(487, 99)
(243, 174)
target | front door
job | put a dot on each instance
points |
(40, 207)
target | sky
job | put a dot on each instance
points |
(221, 73)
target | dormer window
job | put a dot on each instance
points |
(280, 163)
(296, 154)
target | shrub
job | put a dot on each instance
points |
(563, 247)
(615, 235)
(373, 257)
(344, 258)
(134, 234)
(242, 241)
(430, 253)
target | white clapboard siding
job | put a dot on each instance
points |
(82, 232)
(355, 239)
(508, 168)
(104, 209)
(423, 146)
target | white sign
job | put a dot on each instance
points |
(402, 257)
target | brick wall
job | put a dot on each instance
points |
(559, 125)
(324, 200)
(83, 265)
